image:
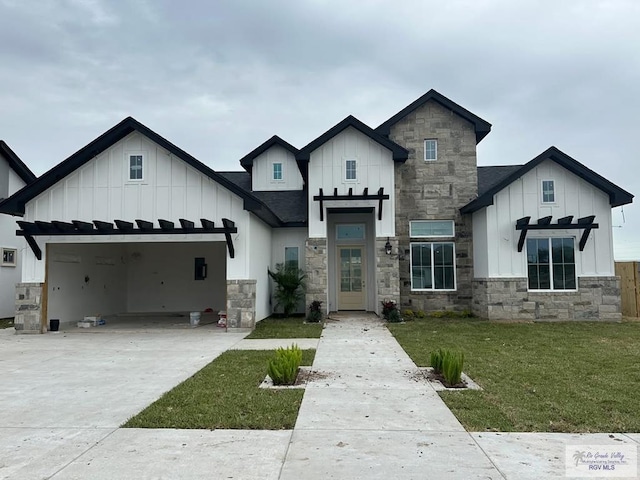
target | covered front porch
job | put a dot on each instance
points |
(352, 269)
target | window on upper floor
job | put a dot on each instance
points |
(551, 264)
(9, 257)
(135, 166)
(291, 259)
(548, 191)
(350, 170)
(277, 172)
(430, 150)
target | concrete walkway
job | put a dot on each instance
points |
(366, 415)
(371, 418)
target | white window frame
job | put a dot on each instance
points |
(453, 229)
(355, 170)
(435, 144)
(13, 262)
(433, 289)
(273, 172)
(553, 186)
(297, 255)
(143, 159)
(552, 289)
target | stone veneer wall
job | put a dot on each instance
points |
(597, 298)
(241, 303)
(388, 274)
(436, 191)
(28, 308)
(316, 263)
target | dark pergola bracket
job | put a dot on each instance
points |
(380, 196)
(35, 248)
(28, 230)
(565, 223)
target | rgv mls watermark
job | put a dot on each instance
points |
(602, 461)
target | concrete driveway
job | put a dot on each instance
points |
(64, 393)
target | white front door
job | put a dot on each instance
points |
(351, 277)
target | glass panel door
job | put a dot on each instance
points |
(351, 294)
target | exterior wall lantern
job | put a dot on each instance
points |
(387, 247)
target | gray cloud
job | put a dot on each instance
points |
(218, 78)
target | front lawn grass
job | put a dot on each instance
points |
(537, 377)
(289, 327)
(225, 394)
(6, 323)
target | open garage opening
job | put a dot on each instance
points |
(138, 282)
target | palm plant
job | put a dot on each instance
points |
(289, 287)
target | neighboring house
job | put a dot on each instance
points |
(14, 175)
(131, 223)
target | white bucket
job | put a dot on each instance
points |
(194, 318)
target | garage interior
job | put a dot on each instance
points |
(136, 283)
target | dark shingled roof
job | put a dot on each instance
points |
(290, 206)
(241, 179)
(490, 176)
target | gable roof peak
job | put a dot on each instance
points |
(247, 161)
(482, 127)
(400, 154)
(617, 195)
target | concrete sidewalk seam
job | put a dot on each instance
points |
(83, 453)
(487, 455)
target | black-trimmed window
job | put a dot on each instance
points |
(433, 266)
(551, 263)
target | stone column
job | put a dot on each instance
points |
(316, 263)
(241, 303)
(388, 272)
(28, 308)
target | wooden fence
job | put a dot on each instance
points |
(629, 273)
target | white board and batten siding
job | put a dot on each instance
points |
(9, 274)
(495, 238)
(170, 189)
(259, 250)
(262, 171)
(375, 169)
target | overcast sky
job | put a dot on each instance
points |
(217, 78)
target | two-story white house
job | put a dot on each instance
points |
(133, 224)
